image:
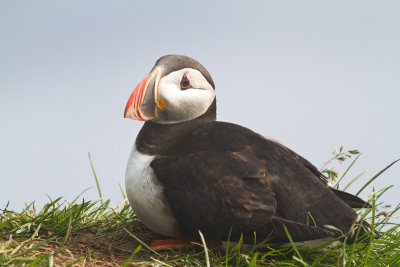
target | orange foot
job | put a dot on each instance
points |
(167, 244)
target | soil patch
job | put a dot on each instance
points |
(108, 249)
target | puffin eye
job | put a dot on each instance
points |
(185, 84)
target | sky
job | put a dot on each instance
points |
(313, 75)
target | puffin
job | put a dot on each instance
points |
(189, 173)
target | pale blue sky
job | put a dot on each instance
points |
(313, 75)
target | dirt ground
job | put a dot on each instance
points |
(101, 250)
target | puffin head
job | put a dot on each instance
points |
(177, 89)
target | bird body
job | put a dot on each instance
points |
(188, 172)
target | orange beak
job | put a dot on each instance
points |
(142, 102)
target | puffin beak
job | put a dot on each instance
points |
(142, 102)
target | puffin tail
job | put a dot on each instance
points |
(361, 231)
(351, 200)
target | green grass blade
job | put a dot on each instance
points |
(293, 244)
(65, 238)
(253, 262)
(353, 180)
(35, 247)
(141, 242)
(95, 177)
(122, 191)
(376, 176)
(227, 248)
(129, 260)
(205, 249)
(35, 261)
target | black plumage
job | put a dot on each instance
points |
(226, 180)
(217, 176)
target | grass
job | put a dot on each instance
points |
(89, 233)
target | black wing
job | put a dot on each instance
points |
(351, 200)
(224, 176)
(219, 192)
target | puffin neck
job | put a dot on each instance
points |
(154, 138)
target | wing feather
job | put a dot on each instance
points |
(224, 178)
(226, 193)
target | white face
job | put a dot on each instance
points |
(183, 104)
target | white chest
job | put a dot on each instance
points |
(146, 196)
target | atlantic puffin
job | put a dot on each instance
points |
(188, 172)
